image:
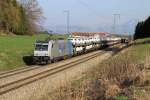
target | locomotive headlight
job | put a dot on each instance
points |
(36, 54)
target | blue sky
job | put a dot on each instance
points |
(94, 15)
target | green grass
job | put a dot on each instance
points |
(142, 40)
(121, 97)
(14, 48)
(77, 83)
(57, 36)
(140, 51)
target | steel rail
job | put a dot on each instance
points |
(25, 81)
(22, 70)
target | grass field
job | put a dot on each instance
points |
(140, 50)
(13, 49)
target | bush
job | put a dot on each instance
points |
(122, 70)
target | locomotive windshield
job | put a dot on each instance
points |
(40, 47)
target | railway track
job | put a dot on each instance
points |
(5, 88)
(18, 71)
(24, 69)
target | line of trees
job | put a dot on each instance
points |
(142, 29)
(19, 16)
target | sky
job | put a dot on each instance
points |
(94, 15)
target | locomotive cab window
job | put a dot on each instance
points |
(40, 47)
(70, 39)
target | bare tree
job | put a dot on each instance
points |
(33, 13)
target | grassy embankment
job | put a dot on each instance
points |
(15, 49)
(122, 77)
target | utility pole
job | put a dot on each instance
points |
(115, 19)
(68, 22)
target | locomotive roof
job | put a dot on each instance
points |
(41, 41)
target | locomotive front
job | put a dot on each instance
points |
(41, 52)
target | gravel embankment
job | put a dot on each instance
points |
(44, 68)
(37, 88)
(40, 88)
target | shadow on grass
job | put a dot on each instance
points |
(116, 50)
(28, 60)
(142, 42)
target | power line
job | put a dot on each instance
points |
(83, 3)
